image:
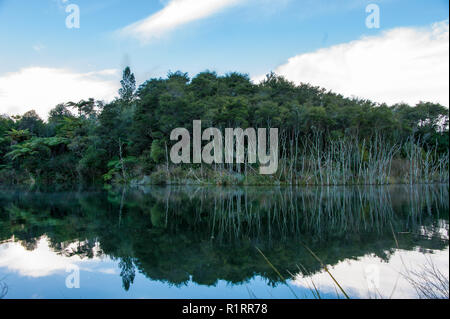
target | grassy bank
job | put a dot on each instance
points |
(341, 162)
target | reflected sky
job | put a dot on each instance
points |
(41, 273)
(185, 243)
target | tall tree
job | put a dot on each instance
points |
(128, 83)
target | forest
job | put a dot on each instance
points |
(324, 137)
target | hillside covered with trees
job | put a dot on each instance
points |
(325, 138)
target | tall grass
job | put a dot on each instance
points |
(322, 160)
(351, 161)
(429, 282)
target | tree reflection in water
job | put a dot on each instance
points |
(206, 234)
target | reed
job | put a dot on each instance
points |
(322, 160)
(429, 282)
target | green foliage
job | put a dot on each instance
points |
(117, 166)
(84, 108)
(92, 162)
(31, 122)
(157, 151)
(36, 146)
(128, 83)
(17, 136)
(19, 151)
(136, 126)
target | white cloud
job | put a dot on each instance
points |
(354, 275)
(400, 65)
(42, 89)
(42, 261)
(175, 14)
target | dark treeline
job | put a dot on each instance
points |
(325, 138)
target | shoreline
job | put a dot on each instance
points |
(167, 185)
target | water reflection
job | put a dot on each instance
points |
(200, 237)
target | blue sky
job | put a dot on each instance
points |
(249, 36)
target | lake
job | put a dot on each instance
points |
(212, 242)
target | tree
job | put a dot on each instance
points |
(32, 122)
(17, 136)
(128, 83)
(58, 113)
(84, 108)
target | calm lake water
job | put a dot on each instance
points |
(202, 242)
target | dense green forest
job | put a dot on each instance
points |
(325, 138)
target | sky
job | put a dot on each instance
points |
(45, 61)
